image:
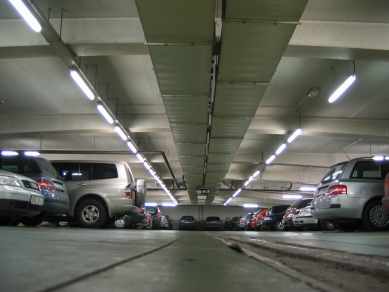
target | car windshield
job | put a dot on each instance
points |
(187, 218)
(334, 173)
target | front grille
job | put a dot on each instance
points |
(34, 207)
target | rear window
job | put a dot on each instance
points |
(151, 210)
(187, 218)
(49, 168)
(367, 169)
(213, 218)
(16, 164)
(333, 174)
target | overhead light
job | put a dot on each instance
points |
(342, 88)
(105, 113)
(236, 193)
(9, 153)
(132, 147)
(256, 173)
(251, 178)
(121, 133)
(26, 14)
(378, 158)
(292, 196)
(294, 135)
(313, 91)
(146, 165)
(229, 200)
(246, 183)
(31, 153)
(250, 206)
(81, 83)
(140, 158)
(387, 158)
(280, 149)
(151, 204)
(307, 189)
(271, 158)
(169, 204)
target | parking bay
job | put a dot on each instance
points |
(75, 259)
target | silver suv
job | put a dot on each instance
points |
(100, 191)
(350, 194)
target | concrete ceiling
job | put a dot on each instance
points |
(207, 90)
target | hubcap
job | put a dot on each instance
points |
(120, 222)
(378, 216)
(280, 226)
(330, 225)
(90, 214)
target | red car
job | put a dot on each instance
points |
(256, 220)
(385, 199)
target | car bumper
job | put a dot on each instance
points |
(288, 222)
(188, 226)
(16, 202)
(340, 207)
(305, 221)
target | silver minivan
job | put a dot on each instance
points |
(350, 194)
(100, 191)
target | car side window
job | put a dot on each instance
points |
(69, 171)
(367, 169)
(104, 171)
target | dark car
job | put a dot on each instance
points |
(273, 218)
(234, 223)
(213, 222)
(51, 184)
(133, 221)
(156, 215)
(166, 222)
(287, 220)
(187, 222)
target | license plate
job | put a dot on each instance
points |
(36, 200)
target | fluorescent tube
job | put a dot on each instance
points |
(121, 133)
(280, 149)
(342, 88)
(105, 113)
(271, 158)
(294, 135)
(132, 147)
(81, 83)
(26, 14)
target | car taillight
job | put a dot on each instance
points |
(46, 184)
(181, 221)
(337, 190)
(219, 222)
(128, 191)
(243, 221)
(141, 211)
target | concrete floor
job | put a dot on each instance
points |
(74, 259)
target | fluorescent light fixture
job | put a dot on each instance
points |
(280, 149)
(378, 158)
(169, 204)
(132, 147)
(9, 153)
(81, 83)
(251, 178)
(146, 165)
(105, 113)
(294, 135)
(313, 91)
(307, 189)
(26, 14)
(140, 158)
(121, 133)
(31, 153)
(237, 193)
(151, 204)
(246, 183)
(292, 196)
(229, 200)
(387, 158)
(256, 173)
(271, 158)
(342, 88)
(250, 206)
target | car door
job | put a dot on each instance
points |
(77, 177)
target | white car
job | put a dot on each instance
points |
(304, 220)
(20, 197)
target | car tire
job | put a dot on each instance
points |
(120, 223)
(91, 213)
(348, 226)
(279, 226)
(327, 225)
(33, 221)
(374, 217)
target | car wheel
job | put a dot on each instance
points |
(374, 217)
(327, 225)
(33, 221)
(120, 223)
(91, 214)
(61, 223)
(9, 221)
(279, 226)
(347, 227)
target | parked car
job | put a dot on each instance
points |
(256, 220)
(350, 194)
(166, 222)
(187, 222)
(156, 215)
(235, 224)
(100, 191)
(134, 220)
(247, 220)
(20, 197)
(273, 218)
(51, 184)
(385, 199)
(292, 209)
(213, 222)
(304, 220)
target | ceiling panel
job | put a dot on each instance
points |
(229, 128)
(177, 109)
(187, 149)
(189, 133)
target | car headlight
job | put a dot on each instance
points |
(9, 181)
(305, 212)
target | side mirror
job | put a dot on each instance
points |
(141, 186)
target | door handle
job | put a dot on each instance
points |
(82, 184)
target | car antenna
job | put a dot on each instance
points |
(344, 152)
